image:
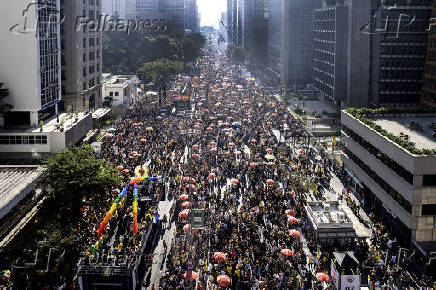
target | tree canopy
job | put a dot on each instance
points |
(75, 174)
(159, 70)
(3, 94)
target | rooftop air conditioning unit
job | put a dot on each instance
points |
(326, 207)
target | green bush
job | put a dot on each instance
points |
(361, 115)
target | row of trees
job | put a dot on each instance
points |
(125, 54)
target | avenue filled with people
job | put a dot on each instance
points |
(242, 161)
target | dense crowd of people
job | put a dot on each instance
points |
(247, 163)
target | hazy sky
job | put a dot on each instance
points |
(210, 11)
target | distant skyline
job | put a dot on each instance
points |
(210, 11)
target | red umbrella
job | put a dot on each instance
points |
(296, 167)
(253, 164)
(294, 233)
(322, 277)
(269, 150)
(293, 220)
(231, 144)
(140, 124)
(287, 252)
(184, 197)
(270, 181)
(212, 175)
(209, 129)
(253, 141)
(190, 186)
(195, 147)
(301, 151)
(235, 181)
(223, 280)
(220, 257)
(184, 213)
(212, 143)
(195, 155)
(133, 153)
(126, 171)
(196, 127)
(142, 140)
(269, 123)
(190, 275)
(290, 212)
(186, 204)
(274, 114)
(120, 167)
(187, 228)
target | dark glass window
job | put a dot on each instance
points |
(429, 180)
(428, 209)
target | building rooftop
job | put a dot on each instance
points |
(328, 212)
(49, 125)
(418, 128)
(14, 182)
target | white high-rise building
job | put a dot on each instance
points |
(30, 58)
(81, 55)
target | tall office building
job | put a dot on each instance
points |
(232, 22)
(429, 81)
(119, 9)
(274, 36)
(191, 16)
(171, 10)
(297, 47)
(223, 25)
(30, 59)
(358, 54)
(330, 46)
(254, 26)
(81, 55)
(398, 50)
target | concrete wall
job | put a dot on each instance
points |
(19, 58)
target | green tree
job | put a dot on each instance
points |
(159, 72)
(3, 94)
(76, 174)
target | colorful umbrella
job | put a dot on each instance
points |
(270, 182)
(287, 252)
(235, 181)
(190, 275)
(184, 197)
(322, 277)
(294, 233)
(187, 228)
(186, 204)
(223, 280)
(290, 212)
(220, 257)
(293, 220)
(184, 213)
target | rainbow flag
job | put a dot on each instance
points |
(156, 218)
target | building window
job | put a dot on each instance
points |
(429, 180)
(84, 57)
(91, 42)
(84, 43)
(428, 209)
(111, 94)
(18, 140)
(91, 55)
(117, 94)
